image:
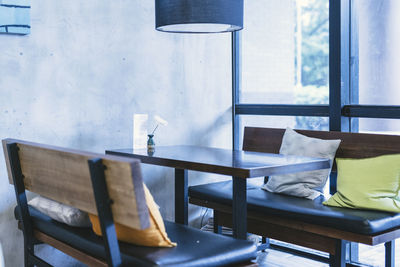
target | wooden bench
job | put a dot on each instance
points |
(112, 188)
(301, 221)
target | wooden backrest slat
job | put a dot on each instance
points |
(4, 143)
(353, 145)
(63, 175)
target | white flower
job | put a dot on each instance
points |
(160, 120)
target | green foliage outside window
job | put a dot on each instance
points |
(313, 88)
(312, 95)
(315, 43)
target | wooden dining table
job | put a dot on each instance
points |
(240, 165)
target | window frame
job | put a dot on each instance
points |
(343, 89)
(342, 109)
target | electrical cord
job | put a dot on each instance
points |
(202, 218)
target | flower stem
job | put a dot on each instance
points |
(155, 129)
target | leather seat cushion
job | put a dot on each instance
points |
(312, 211)
(195, 247)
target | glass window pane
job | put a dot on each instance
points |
(285, 49)
(384, 126)
(372, 255)
(378, 51)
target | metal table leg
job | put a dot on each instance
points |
(181, 196)
(239, 211)
(389, 253)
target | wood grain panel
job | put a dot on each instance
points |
(7, 161)
(286, 234)
(69, 250)
(244, 264)
(353, 145)
(63, 175)
(243, 164)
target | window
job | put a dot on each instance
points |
(285, 49)
(384, 126)
(287, 59)
(377, 37)
(375, 59)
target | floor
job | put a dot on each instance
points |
(370, 256)
(274, 258)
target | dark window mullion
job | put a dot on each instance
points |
(371, 111)
(339, 63)
(236, 86)
(282, 110)
(354, 63)
(334, 65)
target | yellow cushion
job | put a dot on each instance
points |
(154, 236)
(371, 183)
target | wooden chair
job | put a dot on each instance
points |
(112, 188)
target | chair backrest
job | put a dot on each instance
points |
(63, 175)
(353, 145)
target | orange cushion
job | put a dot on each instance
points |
(154, 236)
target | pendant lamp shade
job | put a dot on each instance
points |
(199, 16)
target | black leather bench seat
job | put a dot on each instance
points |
(195, 248)
(312, 211)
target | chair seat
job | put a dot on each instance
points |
(312, 211)
(195, 247)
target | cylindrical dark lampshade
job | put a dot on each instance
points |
(199, 16)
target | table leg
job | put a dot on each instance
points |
(239, 211)
(389, 253)
(181, 196)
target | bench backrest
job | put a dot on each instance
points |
(63, 175)
(353, 145)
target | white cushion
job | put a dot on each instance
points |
(60, 212)
(303, 184)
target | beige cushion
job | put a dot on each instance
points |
(303, 184)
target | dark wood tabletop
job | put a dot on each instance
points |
(242, 164)
(238, 164)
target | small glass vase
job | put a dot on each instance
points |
(151, 146)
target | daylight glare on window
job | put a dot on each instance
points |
(285, 52)
(376, 59)
(285, 55)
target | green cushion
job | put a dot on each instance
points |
(371, 183)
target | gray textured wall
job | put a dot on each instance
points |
(86, 67)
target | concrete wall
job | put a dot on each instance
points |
(86, 68)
